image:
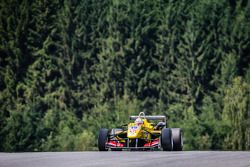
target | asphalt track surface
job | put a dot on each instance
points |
(127, 158)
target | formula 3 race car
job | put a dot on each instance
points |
(142, 134)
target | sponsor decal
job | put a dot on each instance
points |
(132, 130)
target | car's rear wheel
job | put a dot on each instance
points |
(177, 139)
(166, 139)
(102, 139)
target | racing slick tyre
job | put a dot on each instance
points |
(102, 139)
(177, 139)
(166, 139)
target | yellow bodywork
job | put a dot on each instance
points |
(142, 131)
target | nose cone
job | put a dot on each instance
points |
(133, 131)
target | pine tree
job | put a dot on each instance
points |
(236, 114)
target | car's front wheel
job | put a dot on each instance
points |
(102, 139)
(177, 139)
(166, 139)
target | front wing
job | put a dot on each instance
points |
(116, 144)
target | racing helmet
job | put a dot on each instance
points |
(138, 121)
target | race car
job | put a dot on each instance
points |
(144, 133)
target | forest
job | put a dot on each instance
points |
(71, 67)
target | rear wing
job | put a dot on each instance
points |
(157, 117)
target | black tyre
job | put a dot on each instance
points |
(166, 139)
(102, 139)
(177, 139)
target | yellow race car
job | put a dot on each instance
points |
(142, 134)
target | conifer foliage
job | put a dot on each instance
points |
(68, 68)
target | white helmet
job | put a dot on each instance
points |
(138, 121)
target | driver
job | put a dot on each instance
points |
(138, 121)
